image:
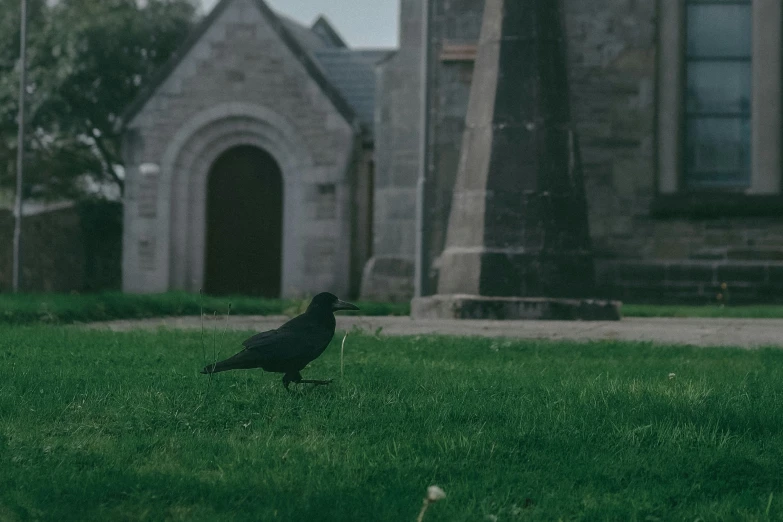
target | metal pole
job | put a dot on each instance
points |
(20, 148)
(421, 274)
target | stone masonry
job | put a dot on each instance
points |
(243, 82)
(240, 83)
(685, 252)
(643, 252)
(388, 275)
(518, 224)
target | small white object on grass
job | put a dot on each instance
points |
(434, 493)
(672, 375)
(342, 352)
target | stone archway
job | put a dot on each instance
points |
(244, 214)
(184, 178)
(314, 251)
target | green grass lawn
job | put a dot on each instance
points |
(66, 308)
(103, 426)
(70, 308)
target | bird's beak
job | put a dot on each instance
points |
(342, 305)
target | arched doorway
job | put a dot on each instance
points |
(244, 224)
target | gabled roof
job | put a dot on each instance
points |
(293, 44)
(309, 40)
(326, 31)
(353, 73)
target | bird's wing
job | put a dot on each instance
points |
(296, 338)
(260, 339)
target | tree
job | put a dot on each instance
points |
(87, 60)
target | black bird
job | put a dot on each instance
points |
(291, 347)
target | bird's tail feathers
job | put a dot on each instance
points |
(240, 361)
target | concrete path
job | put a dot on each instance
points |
(746, 333)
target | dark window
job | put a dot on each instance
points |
(717, 101)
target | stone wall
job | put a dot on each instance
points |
(612, 73)
(361, 230)
(388, 275)
(72, 249)
(611, 64)
(241, 83)
(455, 25)
(693, 282)
(611, 46)
(644, 254)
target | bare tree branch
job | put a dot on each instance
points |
(109, 160)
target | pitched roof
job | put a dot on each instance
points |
(353, 73)
(309, 39)
(297, 48)
(325, 30)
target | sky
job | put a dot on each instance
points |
(361, 23)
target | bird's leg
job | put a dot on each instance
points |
(288, 378)
(316, 382)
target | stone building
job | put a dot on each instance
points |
(677, 105)
(249, 161)
(265, 132)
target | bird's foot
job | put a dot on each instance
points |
(288, 378)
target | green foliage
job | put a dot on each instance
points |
(63, 308)
(97, 425)
(87, 60)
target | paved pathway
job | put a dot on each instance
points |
(747, 333)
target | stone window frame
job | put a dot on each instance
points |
(764, 194)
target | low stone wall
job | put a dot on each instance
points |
(72, 249)
(691, 282)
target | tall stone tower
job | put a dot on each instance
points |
(518, 239)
